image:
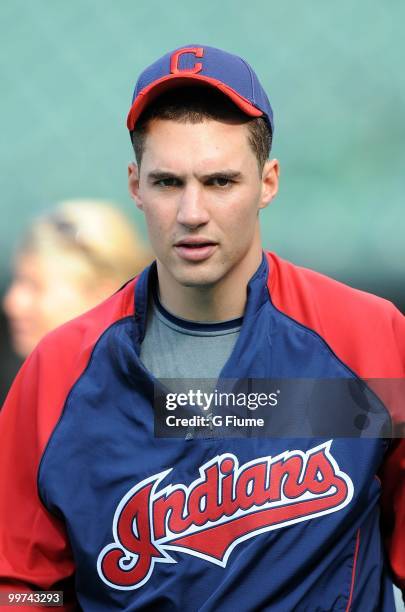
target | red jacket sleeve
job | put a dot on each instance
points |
(392, 473)
(368, 334)
(34, 549)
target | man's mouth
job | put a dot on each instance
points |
(195, 249)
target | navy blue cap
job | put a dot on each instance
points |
(196, 64)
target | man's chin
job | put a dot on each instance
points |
(204, 274)
(198, 278)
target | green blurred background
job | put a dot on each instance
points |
(334, 73)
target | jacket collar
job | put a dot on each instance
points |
(257, 294)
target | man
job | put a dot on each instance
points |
(104, 500)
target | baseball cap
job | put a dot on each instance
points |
(197, 64)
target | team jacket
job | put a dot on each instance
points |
(92, 503)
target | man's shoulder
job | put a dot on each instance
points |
(289, 282)
(360, 327)
(39, 392)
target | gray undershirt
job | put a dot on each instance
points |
(171, 350)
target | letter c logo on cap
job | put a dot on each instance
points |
(174, 61)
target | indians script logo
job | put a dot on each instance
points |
(226, 505)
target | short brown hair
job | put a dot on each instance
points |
(193, 105)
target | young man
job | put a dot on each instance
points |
(211, 515)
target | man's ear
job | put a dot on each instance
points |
(133, 184)
(270, 176)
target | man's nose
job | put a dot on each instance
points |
(192, 209)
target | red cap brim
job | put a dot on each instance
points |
(153, 90)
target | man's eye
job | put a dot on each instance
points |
(167, 182)
(221, 181)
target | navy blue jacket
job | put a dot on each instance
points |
(279, 517)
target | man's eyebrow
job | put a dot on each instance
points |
(161, 174)
(158, 175)
(231, 174)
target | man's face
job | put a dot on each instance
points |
(200, 188)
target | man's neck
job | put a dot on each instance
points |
(218, 302)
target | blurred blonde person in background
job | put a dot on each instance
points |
(70, 259)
